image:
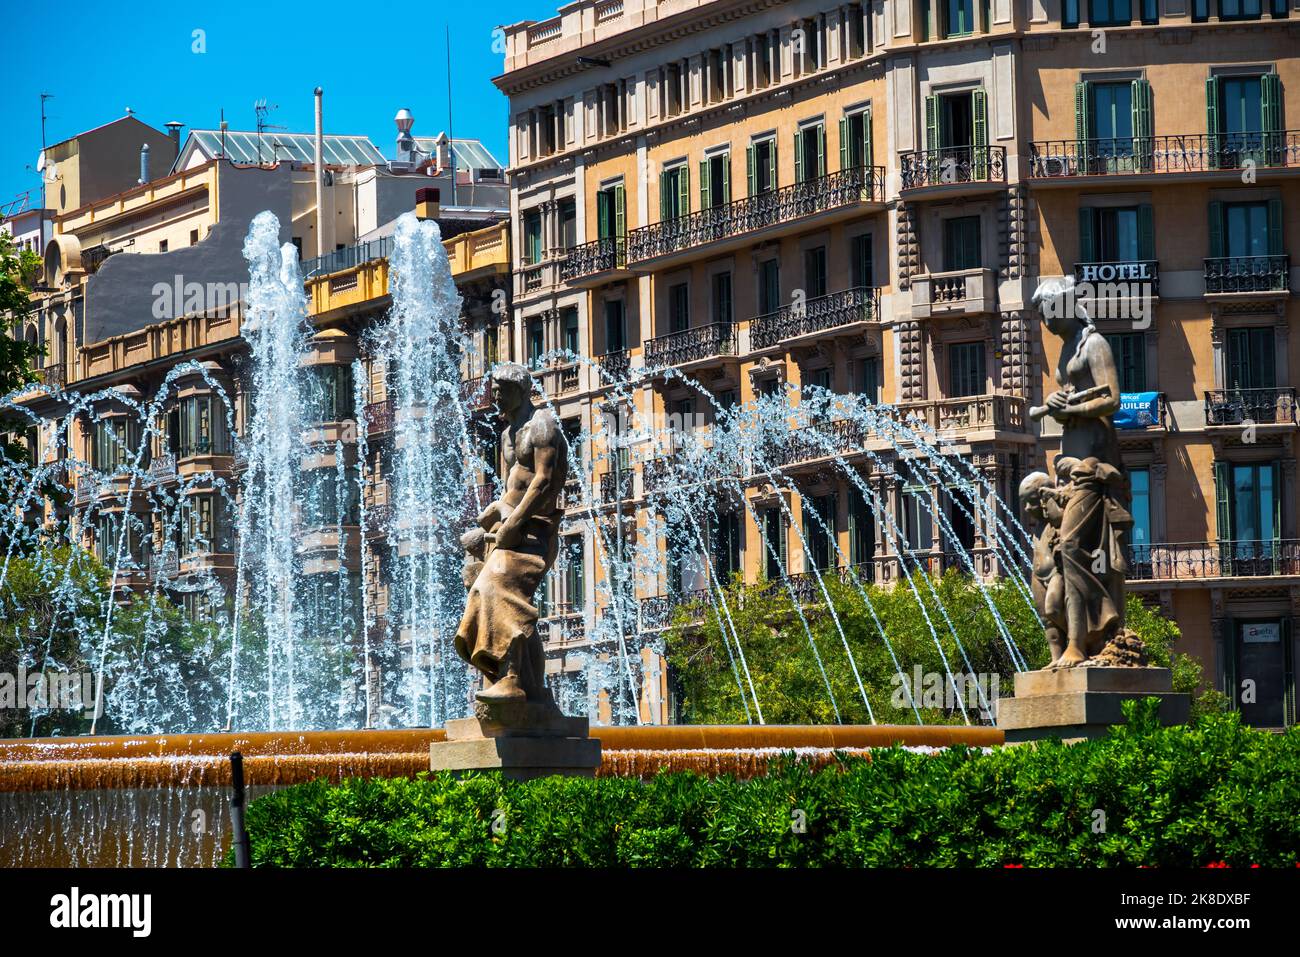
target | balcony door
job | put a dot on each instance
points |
(957, 130)
(1250, 512)
(674, 192)
(966, 372)
(1261, 656)
(715, 181)
(1243, 118)
(1250, 359)
(961, 244)
(810, 153)
(611, 212)
(1112, 122)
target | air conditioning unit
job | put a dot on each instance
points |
(1056, 164)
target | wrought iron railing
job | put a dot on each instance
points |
(1243, 406)
(162, 469)
(690, 345)
(818, 441)
(597, 256)
(863, 184)
(1230, 274)
(859, 304)
(1228, 559)
(615, 366)
(55, 376)
(379, 417)
(610, 483)
(953, 165)
(476, 394)
(562, 623)
(1181, 153)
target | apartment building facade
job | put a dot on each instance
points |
(684, 172)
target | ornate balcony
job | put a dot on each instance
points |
(162, 469)
(1244, 406)
(691, 345)
(1189, 561)
(476, 394)
(1234, 275)
(657, 611)
(596, 258)
(965, 292)
(818, 441)
(975, 413)
(615, 366)
(609, 481)
(845, 189)
(839, 309)
(563, 624)
(1183, 153)
(55, 376)
(953, 166)
(379, 417)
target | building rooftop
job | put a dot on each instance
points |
(277, 146)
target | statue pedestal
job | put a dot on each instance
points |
(1078, 703)
(522, 741)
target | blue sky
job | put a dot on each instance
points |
(100, 58)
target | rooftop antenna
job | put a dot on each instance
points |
(261, 108)
(451, 129)
(223, 133)
(44, 97)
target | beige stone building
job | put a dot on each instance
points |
(684, 170)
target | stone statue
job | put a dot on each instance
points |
(1085, 522)
(511, 548)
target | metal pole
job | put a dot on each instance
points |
(319, 159)
(237, 811)
(451, 128)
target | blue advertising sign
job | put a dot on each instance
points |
(1138, 410)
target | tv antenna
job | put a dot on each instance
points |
(261, 108)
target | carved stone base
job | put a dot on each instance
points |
(519, 739)
(1078, 703)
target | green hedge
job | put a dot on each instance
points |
(1212, 793)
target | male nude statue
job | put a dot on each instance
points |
(517, 545)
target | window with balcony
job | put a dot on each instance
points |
(722, 310)
(197, 425)
(868, 378)
(1116, 234)
(569, 331)
(202, 526)
(568, 212)
(1244, 119)
(615, 326)
(769, 286)
(674, 192)
(966, 371)
(679, 307)
(726, 534)
(715, 181)
(814, 272)
(115, 442)
(332, 392)
(961, 243)
(862, 528)
(855, 140)
(1130, 352)
(532, 237)
(124, 534)
(810, 153)
(573, 584)
(760, 162)
(915, 522)
(819, 530)
(1139, 481)
(774, 543)
(1246, 248)
(1249, 507)
(328, 500)
(823, 378)
(1250, 362)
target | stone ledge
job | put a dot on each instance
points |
(1132, 681)
(518, 757)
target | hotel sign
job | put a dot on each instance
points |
(1140, 271)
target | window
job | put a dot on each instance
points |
(1111, 123)
(868, 383)
(810, 153)
(328, 501)
(1245, 231)
(569, 326)
(966, 368)
(960, 534)
(679, 307)
(814, 272)
(769, 286)
(715, 181)
(961, 243)
(823, 378)
(726, 546)
(1116, 234)
(614, 326)
(1254, 503)
(574, 590)
(1261, 652)
(1244, 118)
(201, 526)
(1140, 508)
(1250, 362)
(682, 416)
(674, 192)
(1069, 13)
(1109, 13)
(536, 342)
(162, 245)
(332, 393)
(110, 544)
(819, 530)
(611, 213)
(197, 426)
(194, 237)
(760, 160)
(568, 210)
(1130, 352)
(532, 237)
(116, 440)
(857, 32)
(1240, 9)
(722, 297)
(855, 140)
(773, 532)
(916, 522)
(862, 528)
(861, 266)
(1150, 11)
(958, 18)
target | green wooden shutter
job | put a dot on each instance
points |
(1087, 238)
(1146, 232)
(706, 198)
(820, 133)
(1275, 227)
(620, 212)
(1216, 230)
(1082, 124)
(602, 214)
(867, 152)
(1222, 501)
(771, 163)
(1230, 687)
(1277, 508)
(726, 178)
(663, 196)
(931, 123)
(684, 189)
(980, 130)
(1142, 124)
(798, 156)
(1212, 127)
(1270, 92)
(845, 155)
(750, 176)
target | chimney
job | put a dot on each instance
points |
(174, 131)
(405, 141)
(427, 202)
(144, 163)
(444, 153)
